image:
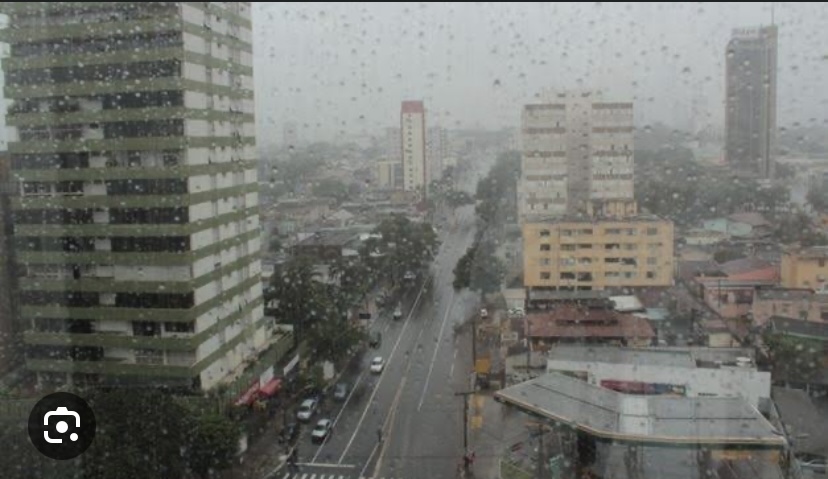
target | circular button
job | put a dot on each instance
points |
(62, 426)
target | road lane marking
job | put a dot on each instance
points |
(336, 420)
(324, 464)
(368, 461)
(389, 422)
(436, 349)
(382, 374)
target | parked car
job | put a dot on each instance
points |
(409, 276)
(289, 433)
(341, 392)
(307, 409)
(815, 464)
(517, 313)
(484, 313)
(321, 431)
(377, 364)
(375, 340)
(398, 312)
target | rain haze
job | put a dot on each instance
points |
(473, 63)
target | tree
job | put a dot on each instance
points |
(479, 269)
(773, 198)
(333, 338)
(332, 188)
(497, 192)
(798, 228)
(794, 359)
(297, 294)
(213, 443)
(817, 197)
(402, 246)
(139, 434)
(456, 199)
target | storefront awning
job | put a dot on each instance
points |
(271, 387)
(249, 396)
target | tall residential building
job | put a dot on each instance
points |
(389, 174)
(437, 150)
(750, 101)
(576, 150)
(413, 141)
(598, 253)
(131, 139)
(9, 326)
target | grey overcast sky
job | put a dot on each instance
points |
(344, 68)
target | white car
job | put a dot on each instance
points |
(409, 276)
(306, 409)
(484, 313)
(377, 364)
(398, 313)
(321, 431)
(815, 464)
(517, 313)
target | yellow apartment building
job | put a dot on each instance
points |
(598, 253)
(805, 268)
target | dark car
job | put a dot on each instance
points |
(341, 392)
(289, 433)
(375, 340)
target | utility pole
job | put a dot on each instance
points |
(465, 396)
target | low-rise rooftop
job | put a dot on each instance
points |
(642, 419)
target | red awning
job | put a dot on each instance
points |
(249, 396)
(271, 387)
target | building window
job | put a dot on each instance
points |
(545, 275)
(566, 232)
(544, 233)
(567, 247)
(651, 275)
(613, 231)
(545, 261)
(630, 247)
(567, 276)
(586, 231)
(566, 262)
(584, 246)
(652, 261)
(545, 247)
(652, 231)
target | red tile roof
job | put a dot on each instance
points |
(573, 322)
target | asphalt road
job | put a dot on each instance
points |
(412, 401)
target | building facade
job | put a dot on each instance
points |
(437, 150)
(137, 225)
(576, 149)
(750, 101)
(587, 254)
(805, 268)
(10, 352)
(389, 174)
(413, 144)
(789, 303)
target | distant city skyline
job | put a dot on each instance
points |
(474, 66)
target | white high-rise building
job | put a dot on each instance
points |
(137, 218)
(412, 126)
(577, 150)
